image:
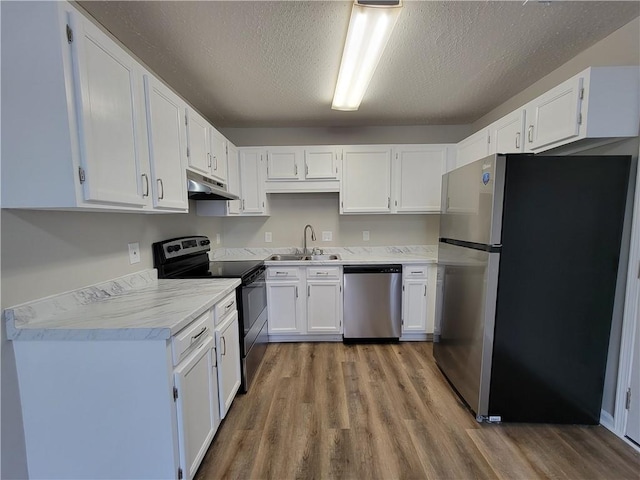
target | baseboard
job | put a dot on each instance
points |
(417, 337)
(606, 420)
(304, 338)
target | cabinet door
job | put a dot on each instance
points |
(507, 134)
(167, 146)
(283, 302)
(418, 173)
(199, 143)
(197, 406)
(414, 306)
(219, 156)
(554, 116)
(323, 307)
(366, 180)
(252, 181)
(473, 148)
(111, 117)
(321, 163)
(233, 177)
(284, 163)
(228, 354)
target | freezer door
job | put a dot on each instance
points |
(464, 348)
(472, 196)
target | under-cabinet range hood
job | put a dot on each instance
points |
(203, 188)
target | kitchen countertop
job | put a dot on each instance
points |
(414, 254)
(133, 307)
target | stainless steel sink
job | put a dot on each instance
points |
(326, 256)
(287, 257)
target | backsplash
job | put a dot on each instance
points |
(248, 253)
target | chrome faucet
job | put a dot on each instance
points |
(305, 251)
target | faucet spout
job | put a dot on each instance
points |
(305, 251)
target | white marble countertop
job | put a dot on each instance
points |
(134, 307)
(416, 254)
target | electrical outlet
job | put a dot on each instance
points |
(327, 236)
(365, 235)
(134, 253)
(267, 237)
(218, 238)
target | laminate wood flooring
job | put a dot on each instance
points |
(328, 410)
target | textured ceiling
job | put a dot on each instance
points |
(265, 63)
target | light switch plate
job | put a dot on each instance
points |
(134, 253)
(267, 237)
(365, 235)
(327, 236)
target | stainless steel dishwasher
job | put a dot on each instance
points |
(372, 302)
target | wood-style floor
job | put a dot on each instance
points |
(327, 410)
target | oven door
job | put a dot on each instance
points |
(254, 310)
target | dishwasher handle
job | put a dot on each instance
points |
(372, 269)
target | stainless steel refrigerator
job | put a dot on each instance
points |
(529, 251)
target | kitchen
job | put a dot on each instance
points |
(46, 253)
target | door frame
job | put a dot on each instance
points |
(631, 321)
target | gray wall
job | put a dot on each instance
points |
(622, 47)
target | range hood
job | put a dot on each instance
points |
(200, 187)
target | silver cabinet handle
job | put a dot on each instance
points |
(388, 202)
(281, 273)
(243, 204)
(224, 345)
(306, 168)
(198, 335)
(296, 292)
(517, 139)
(530, 133)
(295, 169)
(146, 182)
(228, 306)
(209, 159)
(322, 273)
(308, 290)
(161, 185)
(425, 290)
(215, 163)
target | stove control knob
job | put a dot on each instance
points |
(170, 248)
(204, 242)
(177, 247)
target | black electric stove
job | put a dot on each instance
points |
(188, 257)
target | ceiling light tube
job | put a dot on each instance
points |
(369, 31)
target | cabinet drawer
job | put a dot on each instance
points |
(191, 336)
(323, 272)
(414, 271)
(225, 307)
(282, 273)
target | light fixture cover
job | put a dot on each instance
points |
(369, 31)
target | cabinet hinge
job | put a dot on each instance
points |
(580, 119)
(81, 174)
(175, 394)
(403, 288)
(180, 474)
(581, 96)
(627, 403)
(69, 34)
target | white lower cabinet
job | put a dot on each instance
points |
(304, 301)
(228, 360)
(196, 386)
(415, 301)
(324, 300)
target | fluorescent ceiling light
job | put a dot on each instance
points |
(370, 28)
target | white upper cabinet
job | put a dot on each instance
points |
(167, 146)
(284, 163)
(233, 177)
(599, 102)
(321, 163)
(198, 132)
(219, 153)
(80, 137)
(366, 179)
(252, 178)
(507, 134)
(111, 120)
(417, 173)
(473, 148)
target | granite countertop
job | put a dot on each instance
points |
(416, 254)
(134, 307)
